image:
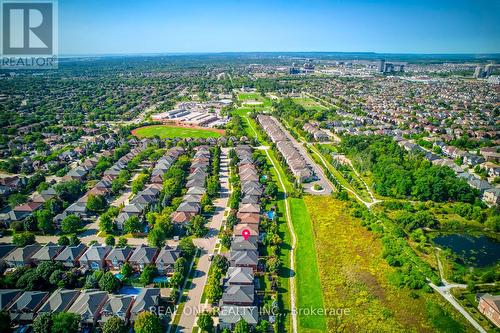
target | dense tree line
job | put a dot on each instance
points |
(399, 174)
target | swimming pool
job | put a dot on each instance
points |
(119, 276)
(161, 279)
(129, 290)
(270, 214)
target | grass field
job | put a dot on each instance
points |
(167, 131)
(354, 276)
(309, 295)
(309, 103)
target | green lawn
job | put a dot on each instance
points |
(249, 96)
(309, 103)
(166, 131)
(308, 284)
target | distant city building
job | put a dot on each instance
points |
(478, 72)
(387, 67)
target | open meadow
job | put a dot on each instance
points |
(168, 132)
(355, 277)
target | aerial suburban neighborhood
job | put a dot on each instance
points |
(164, 175)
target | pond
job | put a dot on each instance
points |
(474, 251)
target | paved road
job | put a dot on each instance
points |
(207, 247)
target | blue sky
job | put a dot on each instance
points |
(153, 26)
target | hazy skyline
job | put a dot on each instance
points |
(117, 27)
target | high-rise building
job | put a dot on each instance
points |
(381, 67)
(478, 72)
(488, 70)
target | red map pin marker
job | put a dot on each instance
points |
(245, 233)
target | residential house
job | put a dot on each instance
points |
(489, 305)
(242, 295)
(249, 208)
(117, 257)
(144, 301)
(239, 243)
(24, 308)
(253, 228)
(117, 305)
(94, 257)
(70, 256)
(230, 315)
(8, 296)
(22, 211)
(21, 256)
(182, 217)
(166, 259)
(492, 196)
(143, 255)
(5, 249)
(59, 301)
(248, 218)
(244, 259)
(239, 276)
(89, 305)
(47, 253)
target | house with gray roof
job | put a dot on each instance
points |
(143, 255)
(59, 301)
(117, 305)
(239, 276)
(94, 257)
(21, 256)
(166, 259)
(230, 315)
(117, 257)
(8, 296)
(24, 308)
(70, 256)
(239, 243)
(47, 253)
(4, 250)
(144, 301)
(89, 305)
(244, 259)
(242, 295)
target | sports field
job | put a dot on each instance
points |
(168, 132)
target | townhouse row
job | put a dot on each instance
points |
(295, 160)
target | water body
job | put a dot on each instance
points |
(473, 251)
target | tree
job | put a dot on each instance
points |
(241, 327)
(70, 224)
(43, 323)
(148, 274)
(180, 265)
(271, 190)
(196, 226)
(205, 322)
(122, 242)
(187, 247)
(156, 237)
(106, 223)
(225, 240)
(109, 283)
(45, 269)
(22, 239)
(127, 269)
(176, 279)
(5, 322)
(96, 203)
(74, 240)
(147, 322)
(63, 240)
(231, 220)
(132, 224)
(214, 291)
(44, 220)
(262, 326)
(110, 240)
(65, 322)
(114, 325)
